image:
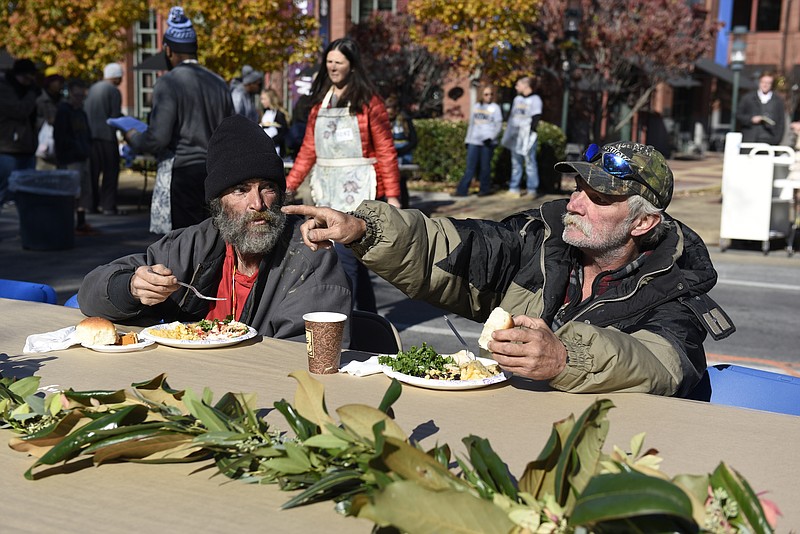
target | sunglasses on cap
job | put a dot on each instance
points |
(618, 167)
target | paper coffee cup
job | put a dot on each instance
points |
(324, 332)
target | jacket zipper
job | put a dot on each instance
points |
(620, 298)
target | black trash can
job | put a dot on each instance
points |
(46, 206)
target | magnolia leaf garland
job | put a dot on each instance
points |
(366, 463)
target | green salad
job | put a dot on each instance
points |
(417, 361)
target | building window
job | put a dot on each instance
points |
(362, 9)
(768, 18)
(768, 14)
(146, 38)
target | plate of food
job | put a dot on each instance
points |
(424, 367)
(99, 334)
(199, 335)
(123, 346)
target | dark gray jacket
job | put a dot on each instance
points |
(104, 101)
(292, 281)
(189, 102)
(17, 117)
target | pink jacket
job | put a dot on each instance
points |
(376, 142)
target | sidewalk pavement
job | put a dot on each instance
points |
(695, 202)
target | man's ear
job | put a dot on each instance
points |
(645, 223)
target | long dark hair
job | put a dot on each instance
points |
(359, 89)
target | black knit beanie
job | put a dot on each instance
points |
(241, 150)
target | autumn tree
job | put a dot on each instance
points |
(397, 65)
(77, 36)
(482, 38)
(625, 49)
(80, 36)
(266, 34)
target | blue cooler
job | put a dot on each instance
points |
(46, 206)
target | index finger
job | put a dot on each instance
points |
(301, 209)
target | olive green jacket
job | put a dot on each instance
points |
(644, 334)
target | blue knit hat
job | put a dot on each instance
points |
(180, 34)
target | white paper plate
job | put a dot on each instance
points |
(447, 384)
(147, 333)
(133, 347)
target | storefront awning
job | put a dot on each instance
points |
(715, 69)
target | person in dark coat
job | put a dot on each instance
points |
(761, 114)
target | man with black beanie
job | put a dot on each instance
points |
(189, 102)
(248, 253)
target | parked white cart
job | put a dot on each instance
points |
(754, 208)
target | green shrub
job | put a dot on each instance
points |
(442, 156)
(440, 151)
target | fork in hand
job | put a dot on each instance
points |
(194, 289)
(196, 292)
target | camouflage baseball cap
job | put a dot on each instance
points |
(625, 168)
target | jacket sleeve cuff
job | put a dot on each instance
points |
(119, 292)
(579, 362)
(373, 233)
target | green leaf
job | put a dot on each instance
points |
(25, 387)
(286, 466)
(302, 427)
(309, 399)
(390, 397)
(538, 478)
(328, 487)
(326, 441)
(492, 470)
(581, 452)
(413, 508)
(211, 418)
(630, 495)
(737, 487)
(143, 445)
(360, 418)
(101, 396)
(414, 465)
(73, 443)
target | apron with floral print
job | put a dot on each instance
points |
(160, 204)
(341, 177)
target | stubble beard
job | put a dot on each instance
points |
(249, 239)
(608, 241)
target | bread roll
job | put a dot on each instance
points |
(499, 319)
(96, 331)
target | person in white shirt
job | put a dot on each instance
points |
(520, 137)
(485, 123)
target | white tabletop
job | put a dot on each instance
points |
(517, 417)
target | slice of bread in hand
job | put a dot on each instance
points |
(499, 319)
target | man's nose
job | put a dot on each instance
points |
(254, 199)
(576, 202)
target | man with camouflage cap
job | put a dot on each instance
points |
(607, 291)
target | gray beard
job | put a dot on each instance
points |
(249, 240)
(605, 245)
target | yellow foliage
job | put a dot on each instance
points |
(483, 37)
(79, 37)
(58, 33)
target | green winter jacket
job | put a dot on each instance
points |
(644, 335)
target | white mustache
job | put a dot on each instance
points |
(571, 219)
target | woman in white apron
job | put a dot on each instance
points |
(347, 150)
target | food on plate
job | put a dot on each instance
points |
(499, 319)
(96, 331)
(425, 362)
(128, 339)
(204, 330)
